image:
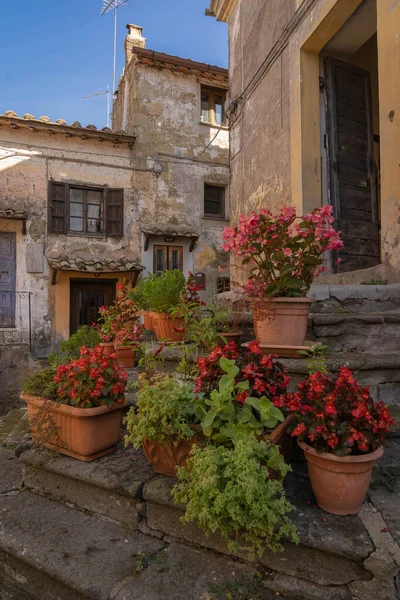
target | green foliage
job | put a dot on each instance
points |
(164, 410)
(70, 349)
(246, 587)
(230, 415)
(230, 490)
(40, 383)
(375, 282)
(316, 355)
(141, 293)
(204, 325)
(165, 292)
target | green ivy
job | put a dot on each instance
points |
(230, 415)
(230, 490)
(164, 410)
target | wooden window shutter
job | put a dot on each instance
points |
(115, 212)
(58, 206)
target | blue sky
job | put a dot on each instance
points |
(54, 52)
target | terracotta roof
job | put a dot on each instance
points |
(10, 213)
(93, 265)
(170, 230)
(28, 121)
(167, 61)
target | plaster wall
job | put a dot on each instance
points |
(27, 162)
(162, 107)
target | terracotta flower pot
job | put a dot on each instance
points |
(167, 327)
(231, 336)
(147, 320)
(83, 433)
(340, 483)
(164, 458)
(108, 347)
(126, 356)
(153, 316)
(281, 321)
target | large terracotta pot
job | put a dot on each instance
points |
(281, 321)
(108, 348)
(164, 458)
(231, 336)
(126, 356)
(153, 316)
(147, 320)
(167, 328)
(83, 433)
(340, 483)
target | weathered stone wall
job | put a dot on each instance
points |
(162, 107)
(29, 161)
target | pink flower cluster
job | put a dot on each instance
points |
(94, 379)
(284, 253)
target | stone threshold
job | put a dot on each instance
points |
(331, 559)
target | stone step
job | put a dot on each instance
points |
(364, 332)
(355, 298)
(55, 553)
(11, 421)
(330, 555)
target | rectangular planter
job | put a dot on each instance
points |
(83, 433)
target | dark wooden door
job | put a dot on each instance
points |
(7, 278)
(87, 296)
(352, 185)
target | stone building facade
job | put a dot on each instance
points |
(175, 107)
(314, 119)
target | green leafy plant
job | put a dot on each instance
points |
(231, 490)
(150, 358)
(316, 355)
(164, 411)
(40, 383)
(70, 348)
(165, 292)
(230, 414)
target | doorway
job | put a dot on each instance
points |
(86, 297)
(350, 138)
(7, 278)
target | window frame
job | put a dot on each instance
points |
(111, 199)
(223, 216)
(166, 248)
(212, 93)
(87, 188)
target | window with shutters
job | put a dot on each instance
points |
(213, 106)
(214, 201)
(167, 258)
(82, 210)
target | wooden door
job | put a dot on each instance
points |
(352, 177)
(7, 278)
(86, 297)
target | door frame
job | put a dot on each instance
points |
(13, 284)
(77, 282)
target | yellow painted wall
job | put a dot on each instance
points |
(61, 291)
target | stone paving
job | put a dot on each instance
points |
(108, 530)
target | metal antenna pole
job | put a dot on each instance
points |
(107, 93)
(107, 6)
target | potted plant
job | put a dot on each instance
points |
(80, 409)
(121, 316)
(283, 254)
(165, 296)
(342, 432)
(140, 296)
(230, 490)
(209, 325)
(163, 422)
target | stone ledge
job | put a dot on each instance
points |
(356, 318)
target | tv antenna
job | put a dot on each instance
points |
(108, 6)
(106, 93)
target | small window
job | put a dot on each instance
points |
(214, 201)
(85, 210)
(212, 106)
(167, 258)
